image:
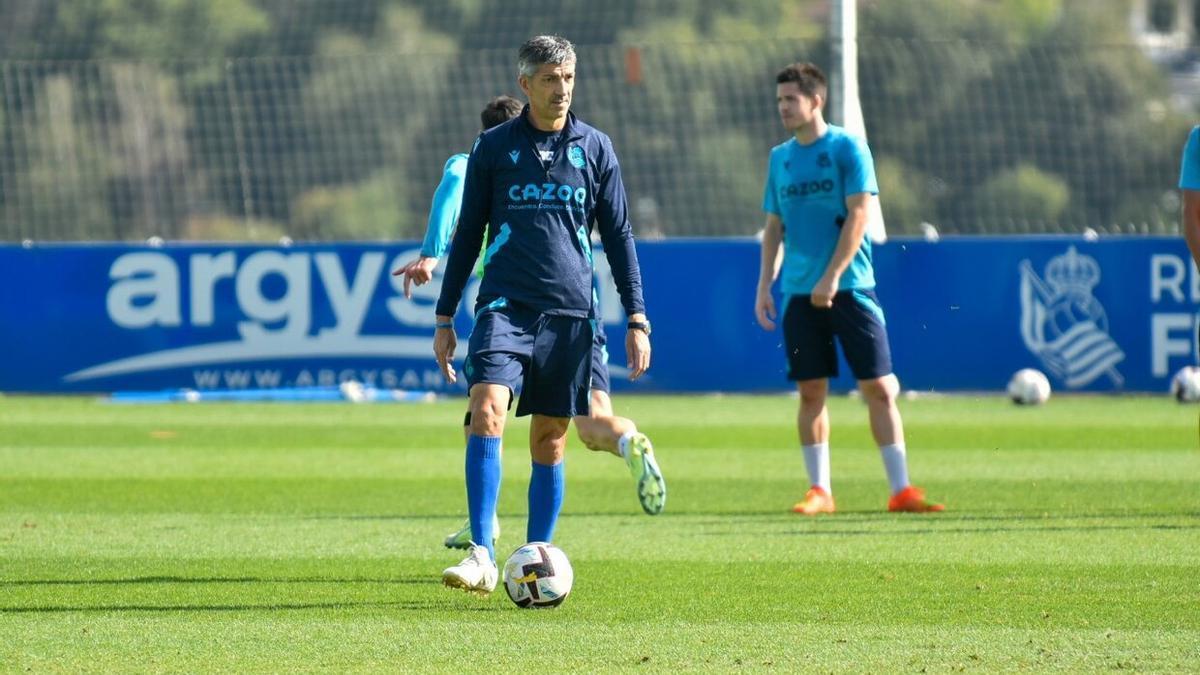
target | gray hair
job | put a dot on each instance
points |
(544, 49)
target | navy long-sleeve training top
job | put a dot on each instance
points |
(541, 215)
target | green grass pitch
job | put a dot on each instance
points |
(308, 537)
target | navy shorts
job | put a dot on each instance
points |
(599, 359)
(547, 358)
(856, 319)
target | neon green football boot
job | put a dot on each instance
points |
(652, 489)
(462, 538)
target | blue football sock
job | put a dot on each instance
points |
(546, 487)
(483, 487)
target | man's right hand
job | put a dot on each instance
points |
(444, 344)
(764, 308)
(419, 271)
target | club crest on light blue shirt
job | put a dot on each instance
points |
(575, 155)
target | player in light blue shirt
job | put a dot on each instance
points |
(808, 184)
(1189, 171)
(447, 200)
(820, 185)
(1189, 184)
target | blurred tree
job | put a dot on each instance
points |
(1042, 85)
(22, 24)
(136, 107)
(61, 192)
(363, 112)
(367, 210)
(705, 109)
(297, 26)
(225, 228)
(141, 29)
(1023, 193)
(903, 194)
(162, 116)
(147, 144)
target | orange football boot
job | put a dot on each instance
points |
(912, 500)
(815, 501)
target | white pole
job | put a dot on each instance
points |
(847, 108)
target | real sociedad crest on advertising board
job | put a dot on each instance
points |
(1064, 325)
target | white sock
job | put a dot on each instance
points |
(623, 443)
(895, 461)
(816, 460)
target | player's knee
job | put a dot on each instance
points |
(882, 390)
(487, 423)
(487, 415)
(548, 440)
(592, 432)
(549, 428)
(594, 427)
(813, 393)
(584, 429)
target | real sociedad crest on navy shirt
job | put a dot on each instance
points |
(575, 155)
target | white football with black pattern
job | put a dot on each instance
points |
(538, 575)
(1185, 386)
(1029, 387)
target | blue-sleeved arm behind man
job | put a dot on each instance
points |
(612, 220)
(1189, 173)
(443, 212)
(468, 237)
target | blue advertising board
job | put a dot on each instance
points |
(1117, 314)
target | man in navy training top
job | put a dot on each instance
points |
(600, 430)
(538, 183)
(820, 185)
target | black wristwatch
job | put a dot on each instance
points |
(639, 325)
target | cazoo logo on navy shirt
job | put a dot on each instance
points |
(546, 195)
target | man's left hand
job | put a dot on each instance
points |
(444, 344)
(637, 352)
(823, 291)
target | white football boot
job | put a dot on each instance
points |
(477, 573)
